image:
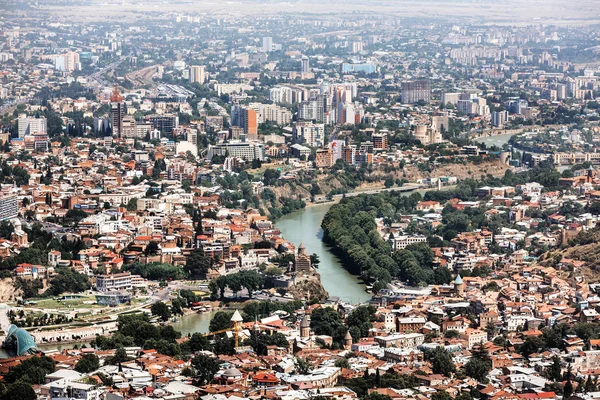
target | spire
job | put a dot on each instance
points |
(116, 96)
(237, 317)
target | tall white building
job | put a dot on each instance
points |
(67, 62)
(281, 94)
(271, 112)
(197, 74)
(305, 64)
(30, 125)
(499, 118)
(267, 44)
(308, 133)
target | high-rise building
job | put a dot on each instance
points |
(197, 74)
(247, 118)
(235, 132)
(30, 125)
(380, 140)
(308, 133)
(166, 124)
(128, 127)
(246, 151)
(439, 121)
(67, 62)
(415, 91)
(324, 158)
(8, 207)
(499, 118)
(267, 44)
(118, 110)
(305, 64)
(367, 68)
(250, 123)
(271, 112)
(281, 94)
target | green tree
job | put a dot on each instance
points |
(32, 370)
(568, 390)
(197, 264)
(119, 357)
(221, 320)
(342, 363)
(19, 391)
(327, 321)
(554, 371)
(532, 345)
(251, 280)
(479, 365)
(441, 362)
(204, 368)
(362, 317)
(161, 310)
(376, 396)
(67, 280)
(87, 363)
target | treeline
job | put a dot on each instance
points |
(350, 227)
(155, 271)
(249, 280)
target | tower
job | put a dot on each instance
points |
(303, 262)
(459, 286)
(118, 110)
(237, 320)
(305, 327)
(305, 65)
(348, 341)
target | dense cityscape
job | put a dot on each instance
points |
(377, 200)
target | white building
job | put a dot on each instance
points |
(29, 125)
(309, 133)
(107, 283)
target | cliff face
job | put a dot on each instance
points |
(475, 171)
(8, 291)
(309, 288)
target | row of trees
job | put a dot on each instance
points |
(249, 280)
(350, 227)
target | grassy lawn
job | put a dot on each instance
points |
(64, 304)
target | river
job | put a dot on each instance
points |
(191, 323)
(304, 226)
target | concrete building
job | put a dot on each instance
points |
(31, 125)
(415, 91)
(8, 207)
(197, 74)
(118, 111)
(499, 118)
(108, 283)
(308, 133)
(246, 151)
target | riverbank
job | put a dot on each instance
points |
(304, 227)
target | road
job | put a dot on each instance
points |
(95, 78)
(406, 188)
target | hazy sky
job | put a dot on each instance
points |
(511, 11)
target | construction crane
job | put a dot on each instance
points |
(237, 320)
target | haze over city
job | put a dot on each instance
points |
(299, 200)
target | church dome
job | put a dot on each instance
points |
(232, 373)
